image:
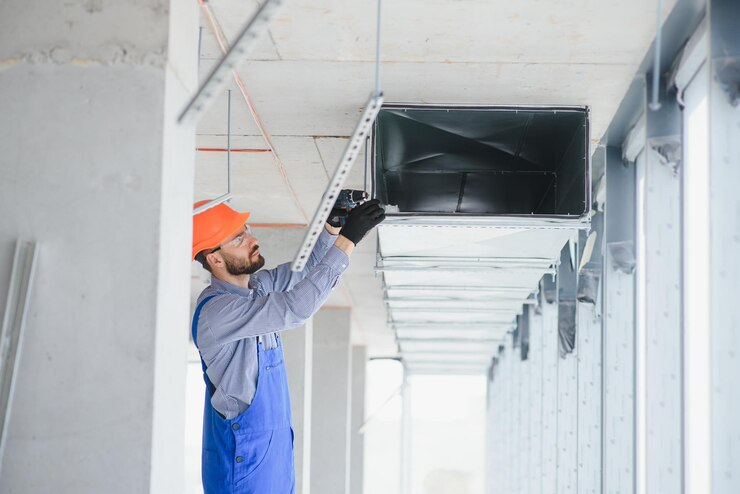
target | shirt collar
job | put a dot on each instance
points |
(225, 286)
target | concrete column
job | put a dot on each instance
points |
(298, 353)
(492, 421)
(550, 393)
(724, 244)
(619, 327)
(357, 443)
(523, 369)
(332, 395)
(662, 270)
(96, 170)
(535, 394)
(588, 401)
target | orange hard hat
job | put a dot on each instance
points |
(214, 225)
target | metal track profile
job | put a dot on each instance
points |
(11, 339)
(242, 45)
(337, 180)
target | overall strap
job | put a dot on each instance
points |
(194, 330)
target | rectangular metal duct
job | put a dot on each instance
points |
(482, 160)
(479, 203)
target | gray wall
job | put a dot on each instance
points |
(96, 170)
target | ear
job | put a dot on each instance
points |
(214, 260)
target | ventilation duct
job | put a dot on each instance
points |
(480, 202)
(482, 161)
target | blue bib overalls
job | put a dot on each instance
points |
(253, 452)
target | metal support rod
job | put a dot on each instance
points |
(655, 103)
(200, 45)
(11, 338)
(211, 204)
(378, 91)
(364, 183)
(228, 143)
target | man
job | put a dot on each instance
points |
(247, 434)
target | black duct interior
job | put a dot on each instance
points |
(482, 160)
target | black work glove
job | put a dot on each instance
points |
(361, 220)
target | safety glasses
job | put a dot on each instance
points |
(236, 241)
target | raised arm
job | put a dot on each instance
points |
(281, 278)
(232, 317)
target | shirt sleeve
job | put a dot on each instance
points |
(281, 278)
(231, 317)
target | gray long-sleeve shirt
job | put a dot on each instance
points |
(231, 322)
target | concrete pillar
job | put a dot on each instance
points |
(550, 391)
(535, 403)
(661, 262)
(357, 443)
(619, 327)
(298, 353)
(724, 245)
(96, 170)
(332, 394)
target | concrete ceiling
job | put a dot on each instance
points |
(313, 71)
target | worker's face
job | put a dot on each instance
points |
(241, 254)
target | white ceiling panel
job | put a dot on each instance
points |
(566, 31)
(214, 121)
(326, 98)
(257, 185)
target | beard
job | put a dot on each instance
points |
(238, 267)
